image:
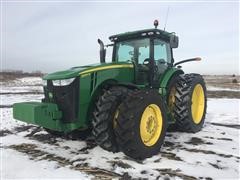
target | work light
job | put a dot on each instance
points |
(62, 82)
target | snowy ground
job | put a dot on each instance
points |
(29, 152)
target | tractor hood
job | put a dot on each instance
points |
(76, 71)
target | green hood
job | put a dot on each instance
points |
(76, 71)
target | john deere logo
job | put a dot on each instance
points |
(50, 95)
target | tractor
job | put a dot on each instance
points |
(129, 103)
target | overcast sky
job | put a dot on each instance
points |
(51, 36)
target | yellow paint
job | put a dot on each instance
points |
(107, 67)
(171, 99)
(84, 75)
(198, 103)
(151, 125)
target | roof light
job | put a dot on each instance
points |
(150, 33)
(156, 23)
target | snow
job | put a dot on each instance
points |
(10, 99)
(21, 89)
(210, 153)
(28, 81)
(213, 88)
(17, 166)
(224, 111)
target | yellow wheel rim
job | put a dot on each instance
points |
(171, 99)
(151, 125)
(198, 103)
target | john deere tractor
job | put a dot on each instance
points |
(129, 103)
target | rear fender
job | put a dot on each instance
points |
(166, 78)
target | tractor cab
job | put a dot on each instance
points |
(150, 51)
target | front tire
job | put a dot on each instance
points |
(104, 117)
(190, 103)
(141, 124)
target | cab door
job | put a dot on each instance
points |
(136, 51)
(162, 58)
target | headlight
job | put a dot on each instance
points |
(63, 82)
(44, 82)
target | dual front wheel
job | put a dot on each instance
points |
(135, 121)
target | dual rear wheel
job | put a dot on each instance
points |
(189, 103)
(135, 121)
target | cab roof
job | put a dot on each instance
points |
(141, 34)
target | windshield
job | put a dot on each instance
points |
(133, 50)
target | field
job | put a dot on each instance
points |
(28, 151)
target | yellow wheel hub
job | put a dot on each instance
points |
(198, 103)
(151, 125)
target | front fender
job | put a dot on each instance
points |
(166, 77)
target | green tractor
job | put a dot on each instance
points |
(129, 103)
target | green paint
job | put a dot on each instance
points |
(44, 114)
(75, 71)
(92, 79)
(90, 89)
(164, 79)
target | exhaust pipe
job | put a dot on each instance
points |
(102, 51)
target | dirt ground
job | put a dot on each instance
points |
(222, 86)
(223, 81)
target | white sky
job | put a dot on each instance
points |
(51, 36)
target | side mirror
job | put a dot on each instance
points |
(173, 41)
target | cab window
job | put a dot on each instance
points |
(133, 50)
(162, 52)
(124, 52)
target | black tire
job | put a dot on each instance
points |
(170, 99)
(103, 117)
(54, 133)
(129, 121)
(183, 104)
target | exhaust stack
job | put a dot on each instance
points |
(102, 51)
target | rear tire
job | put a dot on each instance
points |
(170, 98)
(141, 124)
(104, 115)
(190, 103)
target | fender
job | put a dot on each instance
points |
(166, 77)
(129, 85)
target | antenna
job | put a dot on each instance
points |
(166, 19)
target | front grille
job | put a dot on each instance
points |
(66, 97)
